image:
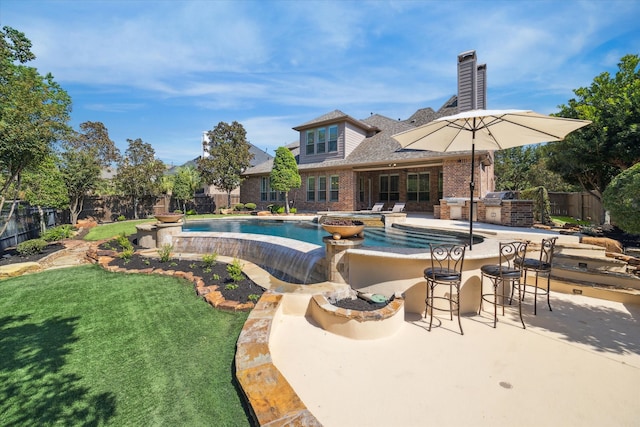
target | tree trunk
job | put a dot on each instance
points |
(43, 225)
(286, 202)
(228, 199)
(135, 207)
(13, 205)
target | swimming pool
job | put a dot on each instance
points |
(311, 232)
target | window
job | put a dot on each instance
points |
(322, 188)
(311, 189)
(322, 136)
(335, 185)
(333, 138)
(389, 188)
(418, 187)
(440, 184)
(311, 141)
(264, 188)
(361, 189)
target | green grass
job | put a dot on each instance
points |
(82, 346)
(562, 220)
(107, 231)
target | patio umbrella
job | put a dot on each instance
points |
(487, 130)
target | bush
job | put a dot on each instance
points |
(121, 218)
(209, 260)
(192, 212)
(622, 199)
(540, 198)
(239, 207)
(164, 252)
(250, 206)
(31, 247)
(57, 233)
(124, 243)
(235, 270)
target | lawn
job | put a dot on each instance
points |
(83, 346)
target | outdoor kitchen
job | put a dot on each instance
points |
(498, 207)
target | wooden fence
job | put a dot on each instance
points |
(584, 206)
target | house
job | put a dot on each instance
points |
(350, 164)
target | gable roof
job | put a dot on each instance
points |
(379, 148)
(332, 117)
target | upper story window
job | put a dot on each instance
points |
(322, 140)
(333, 138)
(311, 141)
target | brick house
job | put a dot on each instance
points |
(348, 164)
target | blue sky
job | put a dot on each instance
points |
(165, 71)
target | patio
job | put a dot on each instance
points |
(576, 365)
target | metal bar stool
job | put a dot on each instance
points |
(446, 269)
(541, 267)
(506, 273)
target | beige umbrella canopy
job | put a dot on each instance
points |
(487, 130)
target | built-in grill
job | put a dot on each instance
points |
(456, 201)
(495, 198)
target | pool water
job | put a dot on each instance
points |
(311, 232)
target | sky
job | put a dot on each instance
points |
(166, 71)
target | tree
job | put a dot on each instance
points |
(139, 173)
(521, 168)
(592, 156)
(86, 153)
(185, 183)
(34, 111)
(228, 156)
(284, 173)
(44, 187)
(622, 199)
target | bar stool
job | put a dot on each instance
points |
(506, 273)
(446, 269)
(541, 267)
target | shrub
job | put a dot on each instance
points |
(209, 260)
(239, 207)
(192, 212)
(124, 243)
(126, 254)
(250, 206)
(57, 233)
(622, 199)
(253, 297)
(121, 218)
(231, 286)
(177, 211)
(164, 252)
(31, 247)
(235, 270)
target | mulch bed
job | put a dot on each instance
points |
(11, 256)
(217, 274)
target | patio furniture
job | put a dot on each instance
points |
(377, 207)
(398, 207)
(446, 269)
(507, 273)
(540, 267)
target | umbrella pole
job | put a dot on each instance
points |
(471, 188)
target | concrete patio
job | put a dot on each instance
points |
(576, 365)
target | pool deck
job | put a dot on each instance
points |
(576, 365)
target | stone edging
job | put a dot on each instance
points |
(271, 398)
(209, 293)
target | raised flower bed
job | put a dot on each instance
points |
(341, 228)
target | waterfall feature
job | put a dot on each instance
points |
(286, 259)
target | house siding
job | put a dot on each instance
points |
(353, 137)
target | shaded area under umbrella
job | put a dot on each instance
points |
(487, 130)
